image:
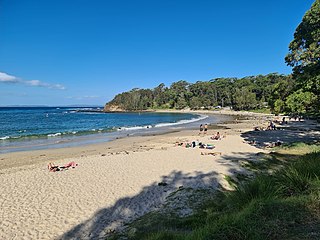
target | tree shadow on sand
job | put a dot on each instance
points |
(290, 133)
(150, 198)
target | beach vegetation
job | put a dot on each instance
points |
(296, 94)
(283, 204)
(304, 57)
(248, 93)
(280, 199)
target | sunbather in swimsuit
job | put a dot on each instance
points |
(53, 168)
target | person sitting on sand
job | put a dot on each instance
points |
(257, 128)
(216, 137)
(271, 126)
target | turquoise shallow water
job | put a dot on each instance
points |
(30, 127)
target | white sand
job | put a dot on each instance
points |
(114, 182)
(104, 191)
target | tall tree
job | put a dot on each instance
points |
(304, 54)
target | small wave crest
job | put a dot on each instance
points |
(201, 117)
(54, 134)
(4, 138)
(181, 122)
(134, 128)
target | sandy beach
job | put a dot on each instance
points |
(118, 181)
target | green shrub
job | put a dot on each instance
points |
(261, 187)
(298, 177)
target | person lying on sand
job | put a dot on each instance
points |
(183, 144)
(206, 146)
(211, 153)
(278, 143)
(70, 164)
(193, 144)
(251, 142)
(53, 168)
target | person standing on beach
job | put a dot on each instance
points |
(201, 129)
(205, 128)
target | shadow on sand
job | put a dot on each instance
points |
(153, 196)
(288, 133)
(129, 208)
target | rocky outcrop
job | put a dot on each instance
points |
(113, 108)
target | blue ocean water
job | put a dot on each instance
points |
(30, 126)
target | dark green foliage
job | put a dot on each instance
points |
(304, 57)
(253, 92)
(263, 187)
(298, 93)
(299, 177)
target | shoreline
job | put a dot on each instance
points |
(114, 183)
(48, 153)
(64, 140)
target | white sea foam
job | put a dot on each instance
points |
(163, 124)
(54, 135)
(134, 128)
(4, 138)
(181, 122)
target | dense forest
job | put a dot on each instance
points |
(297, 93)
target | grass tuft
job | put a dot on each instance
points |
(279, 204)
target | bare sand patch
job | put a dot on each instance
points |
(114, 182)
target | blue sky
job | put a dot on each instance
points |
(57, 52)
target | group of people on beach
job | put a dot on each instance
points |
(271, 125)
(203, 129)
(55, 168)
(196, 143)
(201, 145)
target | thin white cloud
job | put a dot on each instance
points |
(37, 83)
(83, 97)
(6, 78)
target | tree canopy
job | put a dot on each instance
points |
(253, 92)
(297, 93)
(304, 56)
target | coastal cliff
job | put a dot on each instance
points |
(113, 108)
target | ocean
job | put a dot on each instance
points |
(29, 128)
